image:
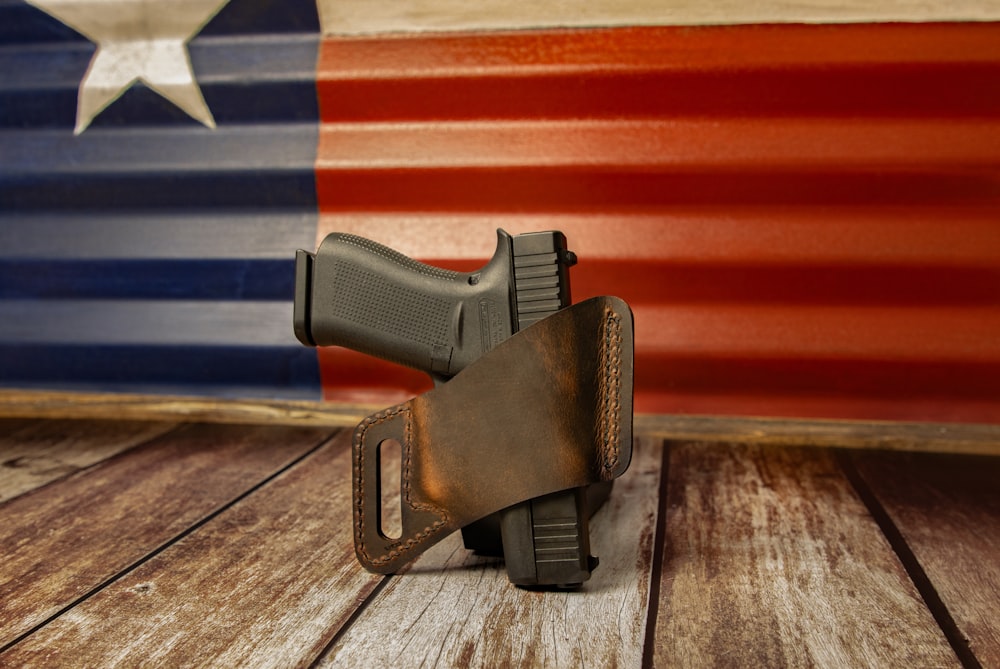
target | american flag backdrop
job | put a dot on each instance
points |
(804, 218)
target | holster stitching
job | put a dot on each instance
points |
(609, 389)
(359, 438)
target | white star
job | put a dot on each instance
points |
(137, 40)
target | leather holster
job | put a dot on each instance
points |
(546, 410)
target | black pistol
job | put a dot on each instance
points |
(359, 294)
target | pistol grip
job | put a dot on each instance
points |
(356, 293)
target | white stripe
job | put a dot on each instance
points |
(379, 16)
(147, 322)
(269, 234)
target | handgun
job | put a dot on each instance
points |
(356, 293)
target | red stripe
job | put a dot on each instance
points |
(768, 235)
(804, 218)
(762, 70)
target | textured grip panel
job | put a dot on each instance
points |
(405, 262)
(372, 301)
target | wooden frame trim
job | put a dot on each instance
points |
(966, 438)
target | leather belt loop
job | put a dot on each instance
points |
(546, 410)
(420, 522)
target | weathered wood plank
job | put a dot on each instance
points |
(61, 542)
(936, 437)
(456, 609)
(947, 509)
(36, 452)
(124, 406)
(267, 582)
(770, 559)
(8, 425)
(854, 434)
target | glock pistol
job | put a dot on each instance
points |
(361, 295)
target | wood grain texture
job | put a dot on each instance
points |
(855, 434)
(36, 452)
(452, 608)
(266, 583)
(60, 542)
(936, 437)
(772, 560)
(948, 511)
(125, 406)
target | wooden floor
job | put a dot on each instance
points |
(128, 543)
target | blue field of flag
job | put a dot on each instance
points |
(150, 252)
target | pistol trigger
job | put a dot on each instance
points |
(441, 359)
(456, 323)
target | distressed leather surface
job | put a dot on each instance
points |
(548, 409)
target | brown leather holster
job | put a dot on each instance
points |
(546, 410)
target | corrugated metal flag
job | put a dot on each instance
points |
(804, 217)
(153, 250)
